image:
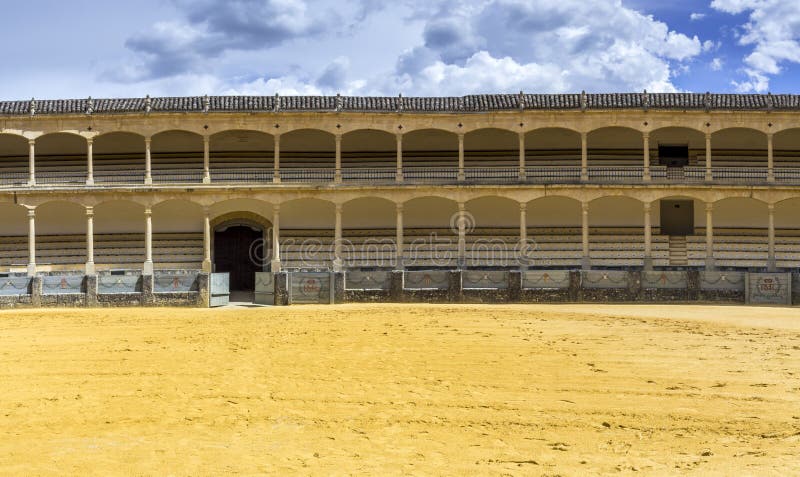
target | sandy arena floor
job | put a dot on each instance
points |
(387, 390)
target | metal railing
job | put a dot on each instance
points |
(423, 175)
(242, 175)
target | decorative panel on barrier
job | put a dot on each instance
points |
(219, 289)
(265, 288)
(427, 280)
(796, 286)
(62, 284)
(664, 280)
(722, 281)
(497, 280)
(769, 288)
(542, 280)
(310, 288)
(604, 279)
(13, 286)
(175, 282)
(112, 284)
(357, 280)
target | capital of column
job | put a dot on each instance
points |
(461, 206)
(89, 211)
(709, 206)
(148, 140)
(206, 139)
(647, 206)
(31, 142)
(771, 208)
(523, 206)
(399, 206)
(276, 209)
(585, 207)
(148, 212)
(31, 212)
(646, 135)
(338, 208)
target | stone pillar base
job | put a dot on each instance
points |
(31, 269)
(207, 266)
(36, 291)
(586, 263)
(575, 287)
(514, 286)
(148, 299)
(203, 291)
(148, 181)
(455, 291)
(147, 268)
(275, 266)
(634, 285)
(337, 282)
(396, 286)
(692, 285)
(206, 179)
(90, 268)
(90, 282)
(281, 289)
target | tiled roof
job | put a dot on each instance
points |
(450, 104)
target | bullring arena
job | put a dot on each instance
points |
(461, 239)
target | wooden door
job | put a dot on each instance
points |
(234, 250)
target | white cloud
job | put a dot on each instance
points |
(772, 30)
(457, 47)
(697, 16)
(716, 64)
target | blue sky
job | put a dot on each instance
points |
(76, 49)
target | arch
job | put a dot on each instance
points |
(786, 148)
(308, 213)
(177, 216)
(176, 150)
(738, 147)
(787, 214)
(616, 211)
(430, 148)
(60, 217)
(698, 208)
(369, 148)
(673, 141)
(13, 145)
(14, 164)
(13, 220)
(430, 212)
(493, 211)
(369, 213)
(740, 213)
(615, 146)
(241, 148)
(118, 151)
(258, 208)
(491, 146)
(552, 146)
(119, 217)
(307, 148)
(554, 211)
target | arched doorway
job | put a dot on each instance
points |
(241, 248)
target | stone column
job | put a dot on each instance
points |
(771, 238)
(337, 240)
(709, 171)
(89, 161)
(148, 161)
(462, 235)
(147, 268)
(646, 170)
(276, 160)
(399, 244)
(586, 261)
(584, 157)
(31, 241)
(206, 160)
(523, 222)
(461, 175)
(32, 162)
(90, 268)
(206, 240)
(276, 239)
(522, 172)
(709, 235)
(337, 174)
(399, 173)
(770, 159)
(648, 238)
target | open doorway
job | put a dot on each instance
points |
(237, 251)
(672, 155)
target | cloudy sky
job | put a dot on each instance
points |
(80, 48)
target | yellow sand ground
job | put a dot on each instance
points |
(390, 389)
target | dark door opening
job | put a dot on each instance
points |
(234, 250)
(677, 217)
(673, 156)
